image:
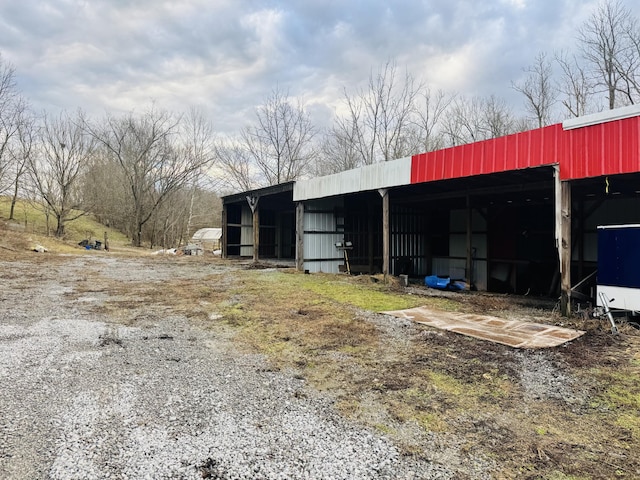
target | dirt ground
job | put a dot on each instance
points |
(482, 409)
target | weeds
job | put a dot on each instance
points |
(439, 386)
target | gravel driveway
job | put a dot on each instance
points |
(85, 397)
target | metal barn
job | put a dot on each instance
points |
(512, 214)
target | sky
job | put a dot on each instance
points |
(226, 56)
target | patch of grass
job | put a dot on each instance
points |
(374, 296)
(454, 391)
(630, 422)
(432, 422)
(446, 384)
(33, 221)
(561, 476)
(624, 392)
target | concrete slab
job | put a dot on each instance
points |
(507, 332)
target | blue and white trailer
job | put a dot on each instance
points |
(618, 278)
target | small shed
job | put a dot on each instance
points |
(208, 238)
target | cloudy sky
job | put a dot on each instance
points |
(225, 56)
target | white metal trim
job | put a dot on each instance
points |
(602, 117)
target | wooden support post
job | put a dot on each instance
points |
(253, 204)
(563, 240)
(580, 233)
(256, 235)
(225, 230)
(384, 193)
(300, 236)
(370, 233)
(469, 262)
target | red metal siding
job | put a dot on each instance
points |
(603, 149)
(533, 148)
(607, 148)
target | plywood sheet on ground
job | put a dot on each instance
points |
(507, 332)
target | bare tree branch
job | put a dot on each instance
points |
(56, 172)
(280, 144)
(604, 42)
(538, 89)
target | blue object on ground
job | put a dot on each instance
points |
(435, 281)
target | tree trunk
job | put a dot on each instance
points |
(59, 226)
(14, 199)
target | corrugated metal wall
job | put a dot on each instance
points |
(246, 233)
(608, 148)
(323, 227)
(603, 149)
(533, 148)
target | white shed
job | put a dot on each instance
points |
(208, 238)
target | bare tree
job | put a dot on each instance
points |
(170, 227)
(56, 172)
(473, 119)
(538, 89)
(12, 112)
(604, 42)
(466, 122)
(237, 171)
(105, 184)
(498, 117)
(153, 161)
(280, 144)
(21, 151)
(629, 63)
(429, 113)
(379, 119)
(574, 86)
(338, 152)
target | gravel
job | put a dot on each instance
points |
(84, 397)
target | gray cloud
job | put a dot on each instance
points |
(226, 55)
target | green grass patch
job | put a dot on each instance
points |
(34, 221)
(623, 391)
(376, 297)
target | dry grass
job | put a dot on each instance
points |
(439, 395)
(29, 228)
(424, 382)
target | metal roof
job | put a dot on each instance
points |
(258, 192)
(370, 177)
(207, 234)
(607, 143)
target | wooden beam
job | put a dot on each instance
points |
(370, 220)
(384, 193)
(469, 260)
(256, 234)
(563, 240)
(225, 229)
(300, 236)
(253, 204)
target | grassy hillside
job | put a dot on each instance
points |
(29, 227)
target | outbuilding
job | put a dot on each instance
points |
(209, 239)
(514, 214)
